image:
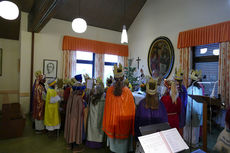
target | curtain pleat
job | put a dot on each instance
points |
(98, 47)
(69, 64)
(224, 73)
(123, 60)
(215, 33)
(185, 63)
(99, 65)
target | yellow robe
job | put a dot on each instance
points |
(52, 116)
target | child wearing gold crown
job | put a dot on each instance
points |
(95, 135)
(119, 114)
(194, 112)
(178, 77)
(172, 103)
(149, 111)
(74, 132)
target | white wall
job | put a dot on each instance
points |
(168, 18)
(48, 45)
(10, 71)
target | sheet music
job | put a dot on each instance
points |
(89, 84)
(153, 143)
(174, 140)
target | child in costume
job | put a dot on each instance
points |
(194, 114)
(150, 111)
(172, 103)
(119, 114)
(223, 140)
(178, 77)
(52, 117)
(74, 129)
(95, 133)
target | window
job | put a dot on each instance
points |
(205, 58)
(85, 63)
(109, 60)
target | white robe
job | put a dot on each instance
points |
(195, 110)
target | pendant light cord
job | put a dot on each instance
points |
(79, 3)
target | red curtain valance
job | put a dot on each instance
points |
(205, 35)
(99, 47)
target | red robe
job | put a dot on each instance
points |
(38, 102)
(173, 110)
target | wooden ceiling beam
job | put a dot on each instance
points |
(41, 13)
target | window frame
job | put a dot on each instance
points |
(202, 59)
(88, 62)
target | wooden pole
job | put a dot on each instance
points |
(32, 64)
(204, 130)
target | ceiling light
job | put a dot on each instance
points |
(124, 36)
(216, 52)
(9, 10)
(203, 50)
(79, 25)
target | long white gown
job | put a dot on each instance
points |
(195, 110)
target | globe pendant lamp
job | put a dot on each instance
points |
(8, 10)
(79, 25)
(124, 36)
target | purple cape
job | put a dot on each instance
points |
(183, 97)
(148, 116)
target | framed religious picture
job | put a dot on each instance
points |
(50, 68)
(160, 57)
(1, 61)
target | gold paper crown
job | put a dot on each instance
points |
(126, 81)
(38, 73)
(109, 81)
(195, 74)
(118, 71)
(86, 76)
(60, 83)
(72, 81)
(99, 80)
(149, 91)
(178, 75)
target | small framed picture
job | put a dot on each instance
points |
(50, 68)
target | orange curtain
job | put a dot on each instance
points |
(224, 73)
(98, 47)
(185, 63)
(205, 35)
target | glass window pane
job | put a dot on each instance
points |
(111, 58)
(84, 55)
(206, 50)
(210, 69)
(108, 70)
(83, 69)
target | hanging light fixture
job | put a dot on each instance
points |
(79, 25)
(124, 35)
(9, 10)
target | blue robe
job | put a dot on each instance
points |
(148, 116)
(184, 99)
